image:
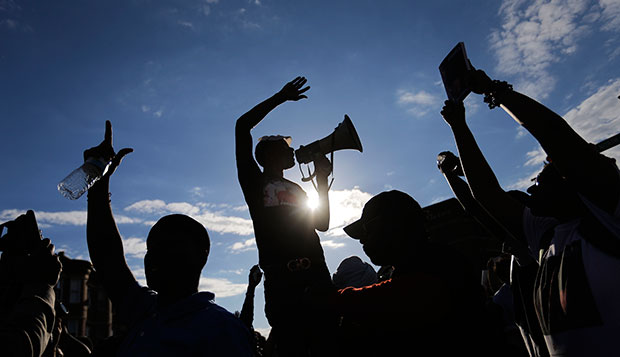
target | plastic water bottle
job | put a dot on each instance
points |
(83, 178)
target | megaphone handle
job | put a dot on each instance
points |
(309, 178)
(332, 161)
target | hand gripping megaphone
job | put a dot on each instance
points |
(344, 137)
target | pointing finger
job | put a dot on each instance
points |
(108, 132)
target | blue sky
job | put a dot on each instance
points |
(173, 76)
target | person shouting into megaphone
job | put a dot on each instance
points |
(289, 248)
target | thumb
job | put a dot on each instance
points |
(120, 155)
(116, 160)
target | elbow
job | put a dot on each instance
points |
(322, 228)
(242, 124)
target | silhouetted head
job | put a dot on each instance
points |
(391, 228)
(354, 272)
(275, 152)
(177, 248)
(552, 196)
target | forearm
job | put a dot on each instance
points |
(484, 186)
(255, 115)
(322, 213)
(480, 177)
(105, 244)
(553, 133)
(461, 191)
(247, 311)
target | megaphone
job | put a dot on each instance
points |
(344, 137)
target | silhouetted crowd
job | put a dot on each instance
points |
(553, 291)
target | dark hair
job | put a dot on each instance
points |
(265, 149)
(262, 148)
(180, 229)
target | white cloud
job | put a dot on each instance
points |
(421, 97)
(535, 157)
(345, 206)
(221, 287)
(197, 191)
(610, 14)
(418, 103)
(244, 246)
(595, 119)
(598, 117)
(186, 24)
(9, 23)
(213, 221)
(135, 247)
(332, 244)
(534, 35)
(66, 218)
(521, 132)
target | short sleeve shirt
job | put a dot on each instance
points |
(194, 326)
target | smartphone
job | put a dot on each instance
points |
(22, 234)
(454, 69)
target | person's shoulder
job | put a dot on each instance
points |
(137, 304)
(205, 306)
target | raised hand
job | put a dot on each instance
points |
(479, 81)
(105, 151)
(293, 90)
(448, 163)
(453, 113)
(255, 276)
(322, 166)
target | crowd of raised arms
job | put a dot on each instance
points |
(558, 291)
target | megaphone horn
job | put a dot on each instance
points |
(344, 137)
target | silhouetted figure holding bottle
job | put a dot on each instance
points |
(289, 248)
(573, 216)
(170, 316)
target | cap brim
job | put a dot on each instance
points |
(355, 230)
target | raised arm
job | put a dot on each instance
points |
(247, 311)
(105, 245)
(482, 181)
(450, 166)
(588, 171)
(246, 165)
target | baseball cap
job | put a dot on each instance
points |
(393, 204)
(266, 138)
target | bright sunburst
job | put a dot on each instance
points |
(313, 200)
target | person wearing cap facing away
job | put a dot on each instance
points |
(429, 303)
(289, 248)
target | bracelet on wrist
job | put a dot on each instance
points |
(498, 89)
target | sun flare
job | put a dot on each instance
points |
(313, 200)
